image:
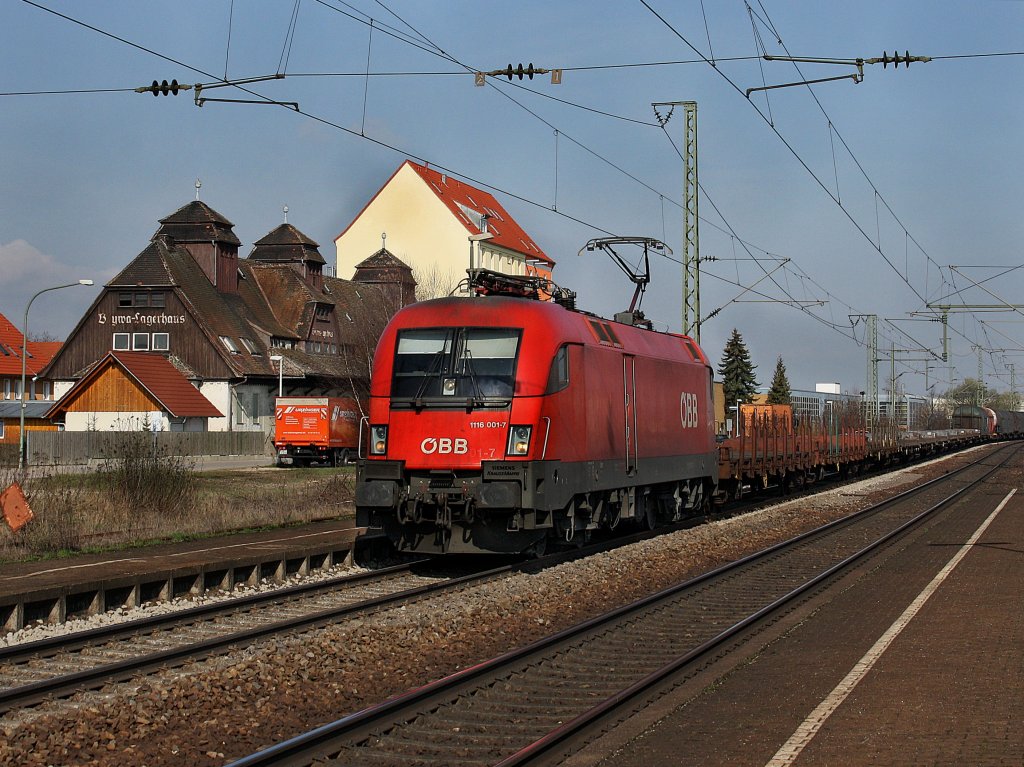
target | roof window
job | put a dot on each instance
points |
(251, 347)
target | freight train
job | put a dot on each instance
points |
(510, 420)
(1003, 423)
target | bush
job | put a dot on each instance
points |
(146, 480)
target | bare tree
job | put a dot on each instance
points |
(370, 315)
(435, 281)
(43, 336)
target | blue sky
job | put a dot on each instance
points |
(873, 191)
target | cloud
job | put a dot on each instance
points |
(24, 270)
(22, 261)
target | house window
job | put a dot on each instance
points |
(1, 429)
(254, 414)
(143, 299)
(46, 390)
(140, 342)
(323, 312)
(121, 342)
(229, 344)
(7, 388)
(161, 342)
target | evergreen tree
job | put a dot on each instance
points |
(737, 371)
(780, 393)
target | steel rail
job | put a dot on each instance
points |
(64, 685)
(79, 640)
(588, 718)
(319, 742)
(94, 678)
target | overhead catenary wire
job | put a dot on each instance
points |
(454, 172)
(383, 144)
(857, 225)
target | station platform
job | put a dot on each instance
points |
(914, 659)
(54, 590)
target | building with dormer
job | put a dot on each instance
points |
(239, 330)
(440, 227)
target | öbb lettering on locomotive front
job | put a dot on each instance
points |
(444, 445)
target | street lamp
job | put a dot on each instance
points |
(24, 355)
(736, 422)
(280, 372)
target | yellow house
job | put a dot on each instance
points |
(440, 227)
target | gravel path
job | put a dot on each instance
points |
(210, 712)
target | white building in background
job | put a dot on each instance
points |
(437, 225)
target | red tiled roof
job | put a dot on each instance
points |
(39, 352)
(170, 388)
(155, 374)
(456, 194)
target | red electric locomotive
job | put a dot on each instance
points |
(500, 422)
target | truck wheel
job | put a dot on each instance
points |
(341, 458)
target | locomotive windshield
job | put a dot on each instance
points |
(474, 365)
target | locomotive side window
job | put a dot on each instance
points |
(558, 378)
(455, 364)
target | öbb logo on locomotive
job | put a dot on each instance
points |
(444, 445)
(688, 411)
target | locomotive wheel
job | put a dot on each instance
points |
(537, 549)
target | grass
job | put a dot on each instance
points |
(140, 500)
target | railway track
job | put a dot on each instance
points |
(60, 666)
(515, 708)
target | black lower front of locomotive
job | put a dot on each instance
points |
(511, 507)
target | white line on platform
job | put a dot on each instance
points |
(813, 723)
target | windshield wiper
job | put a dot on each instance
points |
(467, 367)
(434, 363)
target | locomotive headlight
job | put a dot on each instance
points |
(448, 387)
(519, 440)
(378, 440)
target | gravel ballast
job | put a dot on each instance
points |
(210, 712)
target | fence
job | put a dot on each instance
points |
(67, 447)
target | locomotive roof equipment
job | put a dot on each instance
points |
(640, 278)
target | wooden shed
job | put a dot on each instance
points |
(132, 391)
